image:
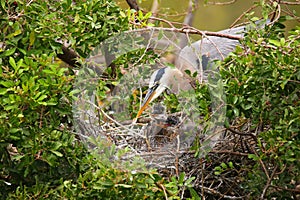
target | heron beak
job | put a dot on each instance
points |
(149, 96)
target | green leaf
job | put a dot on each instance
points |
(194, 194)
(98, 187)
(57, 153)
(51, 102)
(149, 14)
(181, 177)
(189, 181)
(236, 111)
(275, 42)
(223, 165)
(3, 5)
(31, 38)
(18, 157)
(124, 185)
(230, 164)
(15, 130)
(108, 183)
(7, 83)
(76, 19)
(217, 172)
(17, 32)
(56, 145)
(253, 156)
(12, 63)
(10, 51)
(42, 97)
(3, 91)
(282, 42)
(247, 107)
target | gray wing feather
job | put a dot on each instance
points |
(200, 54)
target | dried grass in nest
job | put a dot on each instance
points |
(165, 152)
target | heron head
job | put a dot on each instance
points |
(156, 87)
(161, 79)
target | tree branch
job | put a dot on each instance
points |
(290, 3)
(69, 56)
(268, 184)
(133, 4)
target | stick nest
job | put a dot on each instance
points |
(218, 174)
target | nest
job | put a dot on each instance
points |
(161, 143)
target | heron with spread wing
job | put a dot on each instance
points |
(197, 57)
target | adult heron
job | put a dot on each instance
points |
(197, 57)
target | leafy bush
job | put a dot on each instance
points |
(262, 86)
(40, 157)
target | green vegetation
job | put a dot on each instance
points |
(263, 88)
(41, 158)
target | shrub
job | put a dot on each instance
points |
(262, 86)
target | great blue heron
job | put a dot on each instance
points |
(197, 57)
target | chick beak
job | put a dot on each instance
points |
(149, 97)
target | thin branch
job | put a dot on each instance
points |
(164, 189)
(229, 152)
(286, 189)
(261, 163)
(223, 196)
(69, 56)
(222, 3)
(241, 133)
(241, 16)
(28, 4)
(162, 20)
(190, 30)
(276, 14)
(290, 3)
(268, 183)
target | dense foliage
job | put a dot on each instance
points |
(263, 89)
(39, 157)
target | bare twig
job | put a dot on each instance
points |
(268, 183)
(262, 164)
(164, 189)
(29, 3)
(241, 133)
(162, 20)
(222, 3)
(223, 196)
(290, 3)
(276, 14)
(230, 152)
(69, 56)
(285, 189)
(241, 16)
(189, 30)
